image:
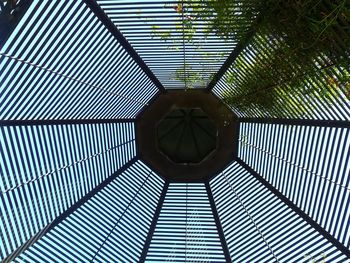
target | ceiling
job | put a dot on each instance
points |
(76, 79)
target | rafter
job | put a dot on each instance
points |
(299, 122)
(61, 122)
(154, 223)
(235, 53)
(218, 223)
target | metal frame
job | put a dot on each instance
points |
(218, 223)
(97, 10)
(217, 112)
(154, 223)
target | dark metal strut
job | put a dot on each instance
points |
(299, 122)
(154, 223)
(61, 122)
(218, 223)
(10, 15)
(235, 53)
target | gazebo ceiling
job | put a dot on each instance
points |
(88, 91)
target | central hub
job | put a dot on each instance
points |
(186, 135)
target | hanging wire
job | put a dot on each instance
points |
(69, 77)
(66, 166)
(184, 42)
(293, 164)
(250, 217)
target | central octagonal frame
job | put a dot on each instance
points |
(227, 140)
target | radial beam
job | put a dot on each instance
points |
(102, 16)
(218, 223)
(235, 53)
(295, 208)
(230, 60)
(299, 122)
(61, 122)
(153, 224)
(69, 211)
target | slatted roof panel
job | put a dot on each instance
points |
(313, 173)
(180, 54)
(186, 230)
(45, 169)
(61, 62)
(258, 227)
(110, 227)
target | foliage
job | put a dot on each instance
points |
(309, 27)
(187, 75)
(305, 25)
(268, 86)
(162, 35)
(294, 36)
(225, 19)
(211, 14)
(311, 259)
(297, 35)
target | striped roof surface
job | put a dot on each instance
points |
(74, 77)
